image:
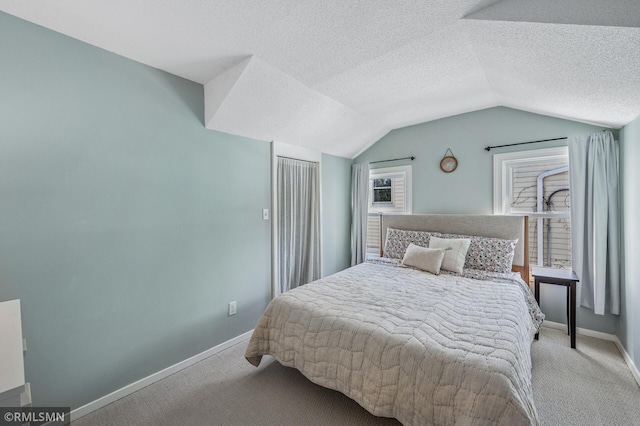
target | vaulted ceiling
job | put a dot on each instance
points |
(337, 76)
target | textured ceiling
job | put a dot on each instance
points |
(337, 76)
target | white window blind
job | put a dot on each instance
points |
(536, 183)
(399, 202)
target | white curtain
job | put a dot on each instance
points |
(298, 223)
(359, 211)
(593, 170)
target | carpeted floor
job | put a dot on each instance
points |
(590, 385)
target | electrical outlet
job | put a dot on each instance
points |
(265, 214)
(232, 308)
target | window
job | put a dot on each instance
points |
(382, 192)
(536, 183)
(389, 193)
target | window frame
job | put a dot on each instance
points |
(391, 172)
(503, 165)
(503, 176)
(384, 172)
(391, 188)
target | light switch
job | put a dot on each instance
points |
(265, 214)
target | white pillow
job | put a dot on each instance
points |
(427, 259)
(456, 251)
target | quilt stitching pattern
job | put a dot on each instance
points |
(403, 343)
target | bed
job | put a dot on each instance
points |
(452, 348)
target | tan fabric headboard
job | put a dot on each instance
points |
(508, 227)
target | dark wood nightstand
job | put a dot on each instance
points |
(565, 278)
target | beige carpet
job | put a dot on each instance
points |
(590, 385)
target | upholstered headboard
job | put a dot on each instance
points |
(496, 226)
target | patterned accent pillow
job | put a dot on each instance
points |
(398, 240)
(486, 253)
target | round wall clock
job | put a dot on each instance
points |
(449, 162)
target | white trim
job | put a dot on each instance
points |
(297, 152)
(629, 361)
(12, 351)
(502, 171)
(407, 173)
(546, 215)
(603, 336)
(392, 187)
(135, 386)
(582, 331)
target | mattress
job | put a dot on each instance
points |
(403, 343)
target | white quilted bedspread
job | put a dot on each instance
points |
(425, 349)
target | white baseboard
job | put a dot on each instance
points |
(629, 361)
(603, 336)
(583, 331)
(135, 386)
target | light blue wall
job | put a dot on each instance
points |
(336, 214)
(470, 188)
(125, 225)
(629, 330)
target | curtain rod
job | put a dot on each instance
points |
(394, 159)
(489, 148)
(295, 159)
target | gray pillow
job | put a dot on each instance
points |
(427, 259)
